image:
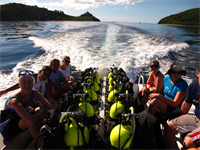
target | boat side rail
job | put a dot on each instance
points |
(138, 86)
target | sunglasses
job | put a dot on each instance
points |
(176, 72)
(45, 73)
(25, 72)
(67, 61)
(156, 66)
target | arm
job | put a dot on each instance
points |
(49, 93)
(12, 88)
(185, 107)
(42, 100)
(61, 88)
(49, 90)
(149, 81)
(27, 117)
(159, 84)
(174, 103)
(64, 80)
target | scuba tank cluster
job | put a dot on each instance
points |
(86, 106)
(118, 95)
(120, 110)
(76, 123)
(73, 123)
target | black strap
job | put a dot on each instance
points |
(83, 136)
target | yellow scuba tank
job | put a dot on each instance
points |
(86, 107)
(121, 135)
(73, 136)
(92, 93)
(115, 85)
(117, 107)
(111, 95)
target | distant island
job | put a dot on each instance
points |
(21, 12)
(188, 17)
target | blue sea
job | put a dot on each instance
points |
(131, 46)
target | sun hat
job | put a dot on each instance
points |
(177, 67)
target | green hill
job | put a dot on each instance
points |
(21, 12)
(188, 17)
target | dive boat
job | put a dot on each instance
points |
(25, 141)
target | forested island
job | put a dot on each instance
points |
(188, 17)
(21, 12)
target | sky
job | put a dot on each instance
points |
(144, 11)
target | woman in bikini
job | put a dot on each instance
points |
(42, 83)
(155, 83)
(21, 101)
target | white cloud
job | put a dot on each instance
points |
(184, 7)
(181, 8)
(178, 9)
(80, 4)
(27, 1)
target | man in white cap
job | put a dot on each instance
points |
(187, 122)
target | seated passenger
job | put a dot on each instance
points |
(65, 68)
(20, 102)
(175, 89)
(188, 122)
(59, 83)
(42, 83)
(155, 77)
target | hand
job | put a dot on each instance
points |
(75, 79)
(151, 89)
(55, 104)
(31, 111)
(143, 88)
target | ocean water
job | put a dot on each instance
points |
(131, 46)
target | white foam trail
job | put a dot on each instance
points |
(141, 49)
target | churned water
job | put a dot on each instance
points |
(131, 46)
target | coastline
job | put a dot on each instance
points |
(179, 25)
